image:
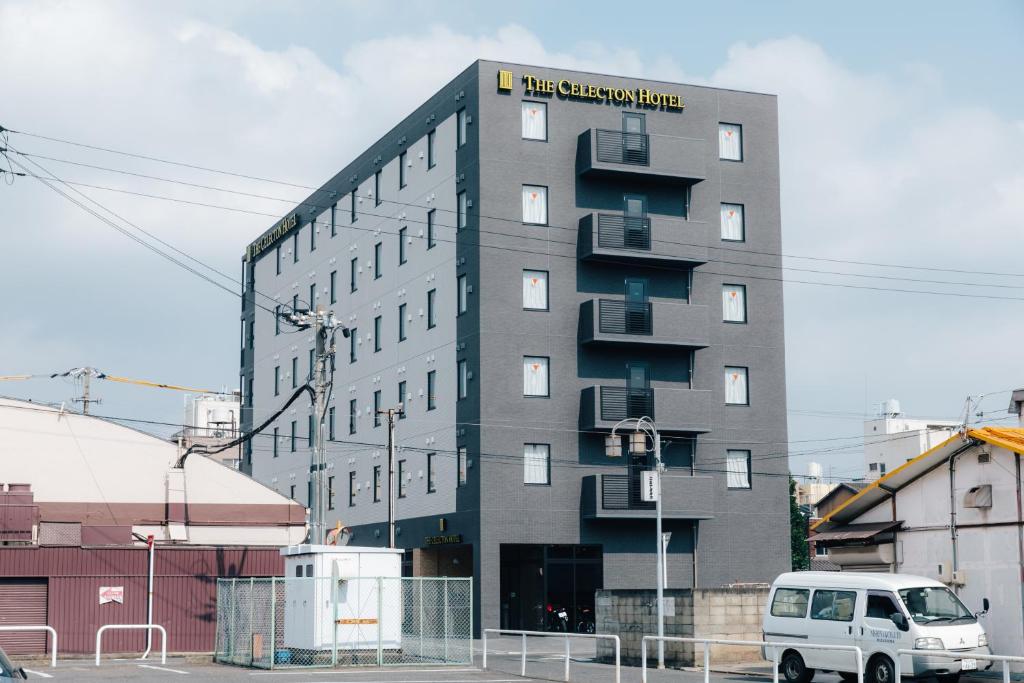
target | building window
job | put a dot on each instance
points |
(353, 344)
(291, 491)
(431, 487)
(312, 236)
(733, 228)
(535, 121)
(277, 437)
(352, 410)
(312, 297)
(351, 489)
(402, 232)
(376, 408)
(535, 204)
(378, 324)
(401, 399)
(277, 380)
(401, 479)
(736, 393)
(295, 372)
(376, 189)
(401, 322)
(820, 550)
(330, 423)
(376, 483)
(460, 134)
(463, 465)
(295, 303)
(737, 468)
(334, 220)
(535, 290)
(295, 248)
(432, 390)
(462, 292)
(431, 237)
(352, 212)
(535, 376)
(463, 379)
(431, 309)
(312, 363)
(278, 255)
(334, 286)
(378, 252)
(277, 319)
(330, 493)
(536, 463)
(309, 430)
(460, 219)
(734, 303)
(401, 170)
(294, 435)
(353, 271)
(730, 141)
(431, 161)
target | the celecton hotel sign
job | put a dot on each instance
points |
(588, 92)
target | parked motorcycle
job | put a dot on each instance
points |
(585, 620)
(558, 619)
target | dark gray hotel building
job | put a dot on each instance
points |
(528, 258)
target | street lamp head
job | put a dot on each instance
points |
(613, 445)
(638, 442)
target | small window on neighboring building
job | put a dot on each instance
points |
(536, 463)
(277, 319)
(351, 489)
(353, 344)
(535, 290)
(734, 303)
(330, 493)
(431, 487)
(737, 468)
(312, 236)
(461, 294)
(309, 430)
(376, 483)
(535, 121)
(277, 438)
(353, 280)
(401, 170)
(378, 254)
(460, 134)
(295, 372)
(431, 309)
(460, 220)
(733, 228)
(402, 236)
(463, 379)
(376, 188)
(352, 213)
(330, 423)
(277, 253)
(431, 237)
(820, 550)
(277, 380)
(334, 286)
(431, 161)
(402, 400)
(730, 141)
(312, 363)
(432, 390)
(376, 408)
(378, 326)
(535, 204)
(736, 390)
(463, 465)
(294, 434)
(401, 322)
(352, 411)
(295, 247)
(535, 376)
(401, 479)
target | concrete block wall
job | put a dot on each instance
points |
(731, 613)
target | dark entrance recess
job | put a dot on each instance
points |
(562, 576)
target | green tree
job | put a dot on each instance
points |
(798, 532)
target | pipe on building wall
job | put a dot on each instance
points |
(150, 540)
(1020, 539)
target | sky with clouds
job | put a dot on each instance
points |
(901, 143)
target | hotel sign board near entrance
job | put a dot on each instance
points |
(588, 92)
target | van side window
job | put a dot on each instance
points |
(790, 602)
(881, 606)
(833, 605)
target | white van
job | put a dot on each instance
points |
(880, 613)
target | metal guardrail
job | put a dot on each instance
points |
(617, 316)
(53, 634)
(547, 634)
(774, 647)
(1005, 659)
(147, 627)
(623, 232)
(619, 147)
(619, 403)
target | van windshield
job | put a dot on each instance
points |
(930, 605)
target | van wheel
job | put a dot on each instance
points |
(881, 670)
(794, 669)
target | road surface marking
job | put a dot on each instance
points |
(163, 668)
(38, 673)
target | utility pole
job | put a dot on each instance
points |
(391, 413)
(86, 374)
(324, 325)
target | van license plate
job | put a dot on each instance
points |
(968, 664)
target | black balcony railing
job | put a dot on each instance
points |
(619, 403)
(617, 147)
(615, 492)
(623, 232)
(624, 317)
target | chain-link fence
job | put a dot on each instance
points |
(306, 622)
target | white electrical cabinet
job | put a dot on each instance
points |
(348, 595)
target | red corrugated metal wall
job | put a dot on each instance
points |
(184, 591)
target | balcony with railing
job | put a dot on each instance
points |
(640, 155)
(653, 239)
(674, 409)
(657, 323)
(610, 496)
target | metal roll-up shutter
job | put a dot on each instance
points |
(23, 603)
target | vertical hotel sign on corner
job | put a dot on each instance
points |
(601, 93)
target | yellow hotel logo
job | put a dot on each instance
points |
(504, 80)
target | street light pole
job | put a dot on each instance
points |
(646, 426)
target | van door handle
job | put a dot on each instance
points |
(849, 629)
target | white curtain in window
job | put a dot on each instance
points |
(535, 376)
(736, 386)
(535, 289)
(535, 463)
(535, 204)
(732, 222)
(535, 121)
(734, 303)
(730, 141)
(737, 467)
